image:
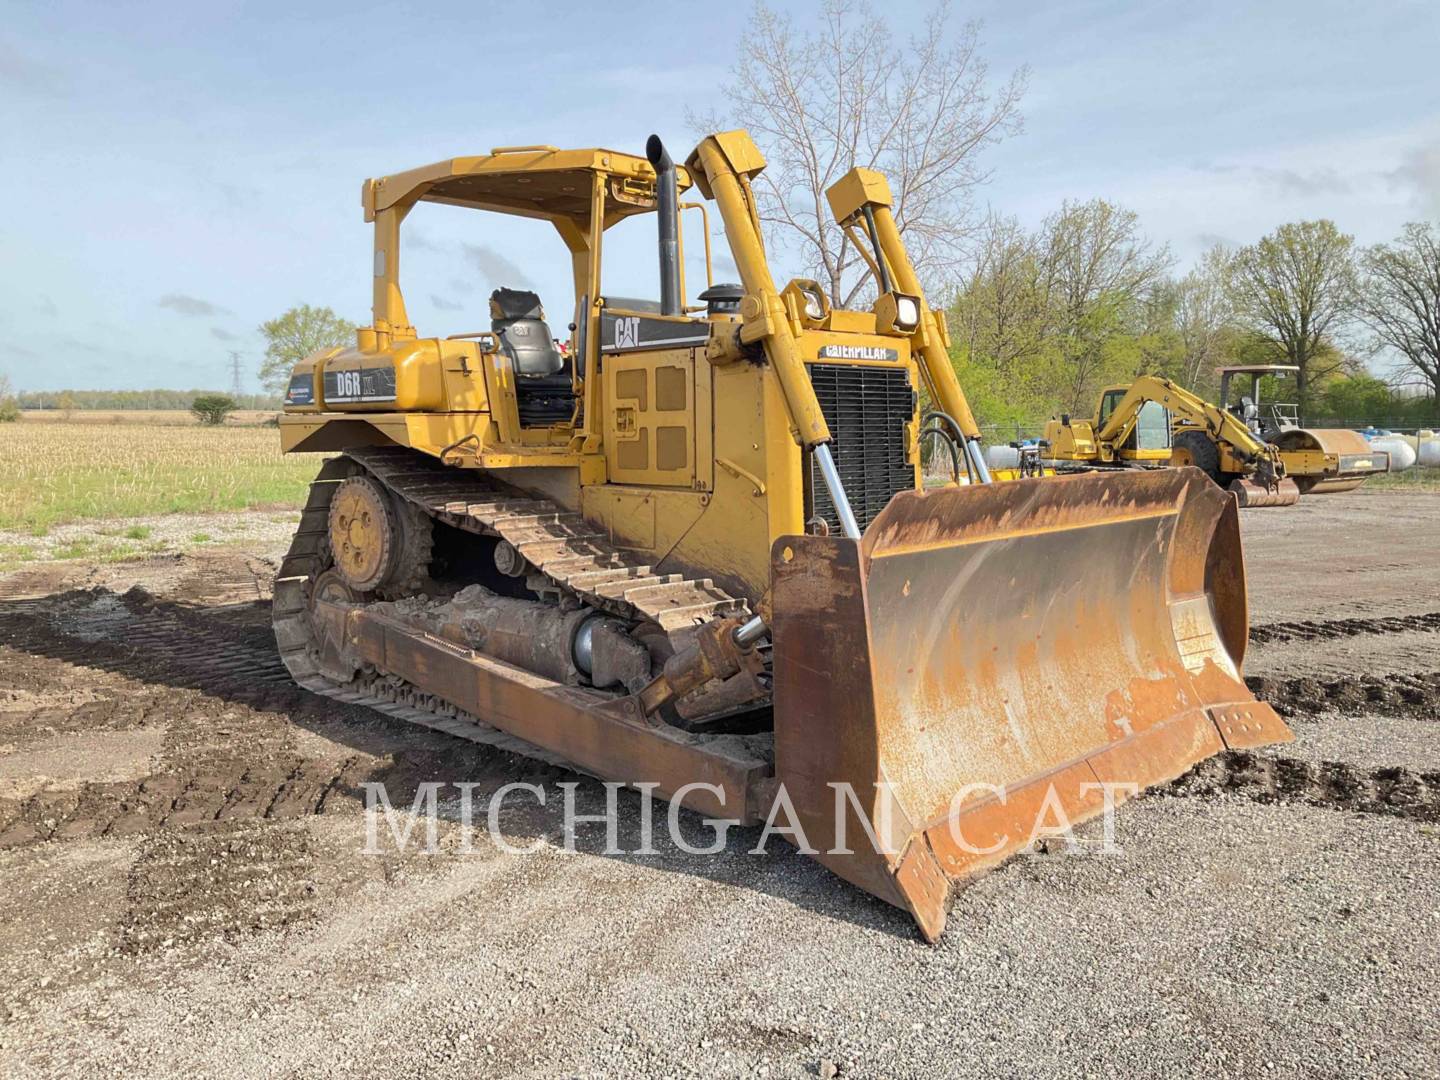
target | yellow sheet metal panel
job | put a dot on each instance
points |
(463, 377)
(649, 423)
(857, 188)
(403, 378)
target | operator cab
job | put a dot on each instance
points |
(544, 389)
(1152, 425)
(1265, 420)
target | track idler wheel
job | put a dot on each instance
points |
(365, 534)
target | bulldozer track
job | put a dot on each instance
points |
(1413, 696)
(1330, 629)
(559, 544)
(196, 656)
(233, 791)
(1391, 790)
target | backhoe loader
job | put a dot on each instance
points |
(1154, 422)
(691, 548)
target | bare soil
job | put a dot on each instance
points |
(182, 889)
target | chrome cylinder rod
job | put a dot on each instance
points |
(751, 631)
(977, 458)
(831, 476)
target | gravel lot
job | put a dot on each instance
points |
(182, 890)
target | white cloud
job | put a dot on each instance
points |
(191, 306)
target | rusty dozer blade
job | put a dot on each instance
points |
(1250, 493)
(985, 659)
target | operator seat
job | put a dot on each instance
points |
(543, 387)
(1250, 413)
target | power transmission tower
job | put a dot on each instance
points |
(236, 384)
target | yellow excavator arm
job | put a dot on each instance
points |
(1094, 440)
(1222, 426)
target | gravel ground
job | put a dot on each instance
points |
(92, 541)
(246, 936)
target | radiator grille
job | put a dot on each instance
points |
(867, 409)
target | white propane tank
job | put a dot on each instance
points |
(1402, 454)
(1000, 456)
(1428, 453)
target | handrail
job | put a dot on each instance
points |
(537, 148)
(478, 334)
(705, 227)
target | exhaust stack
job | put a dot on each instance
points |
(668, 211)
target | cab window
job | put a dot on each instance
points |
(1108, 401)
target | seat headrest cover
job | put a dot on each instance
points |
(515, 304)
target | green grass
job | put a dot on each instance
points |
(1413, 479)
(200, 538)
(79, 548)
(138, 532)
(58, 473)
(15, 554)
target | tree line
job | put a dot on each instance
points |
(125, 400)
(1041, 318)
(1046, 318)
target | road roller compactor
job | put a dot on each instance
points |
(688, 545)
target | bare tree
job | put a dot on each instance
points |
(1001, 310)
(848, 94)
(1400, 298)
(1098, 268)
(1293, 288)
(1202, 318)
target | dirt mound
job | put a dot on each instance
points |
(1409, 696)
(1336, 785)
(1282, 633)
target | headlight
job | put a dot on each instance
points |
(907, 313)
(814, 305)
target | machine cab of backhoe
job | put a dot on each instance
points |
(1139, 437)
(1147, 437)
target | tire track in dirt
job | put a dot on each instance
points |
(1406, 696)
(213, 678)
(1392, 790)
(1282, 633)
(151, 640)
(206, 680)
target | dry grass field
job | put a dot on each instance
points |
(57, 472)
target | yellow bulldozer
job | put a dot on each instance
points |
(1263, 458)
(688, 546)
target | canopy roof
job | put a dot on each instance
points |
(1258, 369)
(530, 181)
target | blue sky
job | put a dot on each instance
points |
(177, 173)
